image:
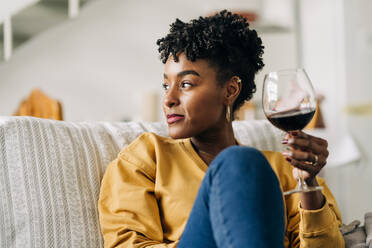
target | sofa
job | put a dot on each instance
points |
(50, 174)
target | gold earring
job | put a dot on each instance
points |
(228, 113)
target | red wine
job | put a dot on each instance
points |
(291, 120)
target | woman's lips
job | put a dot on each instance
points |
(174, 118)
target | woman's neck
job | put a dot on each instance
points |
(210, 143)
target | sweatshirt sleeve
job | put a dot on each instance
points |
(315, 228)
(320, 228)
(307, 228)
(128, 210)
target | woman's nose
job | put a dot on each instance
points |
(171, 98)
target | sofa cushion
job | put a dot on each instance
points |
(50, 173)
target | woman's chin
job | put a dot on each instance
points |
(178, 132)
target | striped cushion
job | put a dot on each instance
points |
(50, 173)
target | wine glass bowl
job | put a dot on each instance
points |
(288, 99)
(289, 103)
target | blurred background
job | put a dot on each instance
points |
(98, 60)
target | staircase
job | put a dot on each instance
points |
(20, 20)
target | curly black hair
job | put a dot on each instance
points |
(225, 41)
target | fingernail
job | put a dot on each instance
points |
(285, 141)
(287, 154)
(290, 141)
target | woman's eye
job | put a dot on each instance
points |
(186, 85)
(165, 86)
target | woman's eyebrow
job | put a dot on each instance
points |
(184, 73)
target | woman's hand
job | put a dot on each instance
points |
(308, 154)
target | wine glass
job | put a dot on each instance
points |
(289, 103)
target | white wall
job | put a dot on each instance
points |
(339, 65)
(323, 53)
(358, 28)
(358, 49)
(101, 64)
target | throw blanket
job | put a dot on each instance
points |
(358, 236)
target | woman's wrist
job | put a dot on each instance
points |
(312, 200)
(312, 182)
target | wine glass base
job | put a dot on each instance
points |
(303, 190)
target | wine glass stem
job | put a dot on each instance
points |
(301, 182)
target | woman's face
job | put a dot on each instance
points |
(193, 101)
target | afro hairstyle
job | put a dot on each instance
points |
(225, 41)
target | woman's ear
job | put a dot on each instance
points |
(233, 88)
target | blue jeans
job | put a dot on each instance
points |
(239, 204)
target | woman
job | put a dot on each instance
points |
(199, 188)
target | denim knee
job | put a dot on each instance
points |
(240, 159)
(242, 153)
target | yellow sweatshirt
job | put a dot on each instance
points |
(147, 194)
